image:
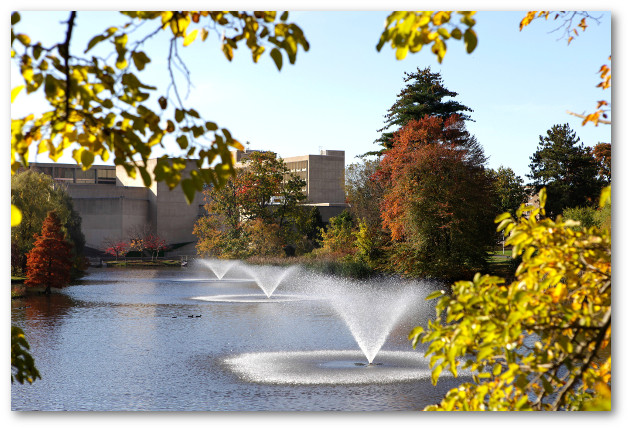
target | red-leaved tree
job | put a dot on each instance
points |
(437, 201)
(49, 262)
(118, 249)
(155, 244)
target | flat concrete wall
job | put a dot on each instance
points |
(108, 211)
(326, 175)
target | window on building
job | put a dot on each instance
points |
(64, 174)
(85, 177)
(106, 176)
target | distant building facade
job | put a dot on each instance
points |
(324, 174)
(112, 204)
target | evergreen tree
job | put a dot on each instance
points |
(422, 96)
(566, 168)
(49, 262)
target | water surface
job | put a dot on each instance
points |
(140, 339)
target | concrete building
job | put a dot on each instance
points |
(112, 204)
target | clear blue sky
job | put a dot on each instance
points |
(519, 84)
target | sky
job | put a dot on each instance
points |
(518, 83)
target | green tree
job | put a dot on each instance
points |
(364, 192)
(220, 230)
(509, 189)
(423, 95)
(564, 166)
(37, 194)
(338, 237)
(541, 342)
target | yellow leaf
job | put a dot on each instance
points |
(15, 91)
(16, 216)
(190, 38)
(401, 53)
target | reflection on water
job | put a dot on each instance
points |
(126, 339)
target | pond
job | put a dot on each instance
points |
(180, 339)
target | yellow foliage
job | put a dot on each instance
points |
(546, 335)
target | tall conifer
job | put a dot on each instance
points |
(49, 262)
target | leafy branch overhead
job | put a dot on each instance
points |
(409, 31)
(100, 100)
(570, 31)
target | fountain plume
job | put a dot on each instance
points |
(219, 267)
(269, 278)
(369, 309)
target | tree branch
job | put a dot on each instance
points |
(66, 56)
(603, 121)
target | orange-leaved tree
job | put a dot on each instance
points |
(48, 264)
(437, 197)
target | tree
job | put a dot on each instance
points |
(155, 244)
(509, 189)
(267, 190)
(338, 237)
(364, 192)
(541, 342)
(37, 194)
(49, 262)
(116, 247)
(566, 168)
(602, 152)
(437, 199)
(422, 96)
(263, 190)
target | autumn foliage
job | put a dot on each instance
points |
(541, 342)
(50, 260)
(118, 249)
(437, 204)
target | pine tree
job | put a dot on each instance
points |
(568, 170)
(422, 96)
(49, 262)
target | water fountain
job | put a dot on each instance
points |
(371, 310)
(219, 267)
(268, 278)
